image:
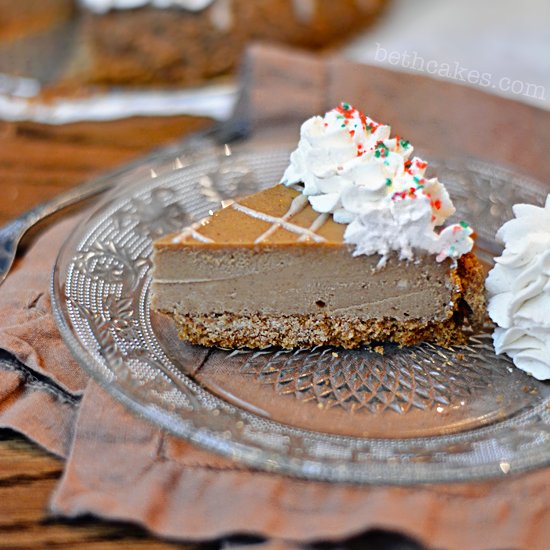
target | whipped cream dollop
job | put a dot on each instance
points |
(349, 166)
(103, 6)
(519, 290)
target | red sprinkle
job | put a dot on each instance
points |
(421, 164)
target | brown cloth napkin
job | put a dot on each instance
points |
(121, 467)
(39, 397)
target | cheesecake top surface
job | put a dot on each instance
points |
(348, 184)
(277, 216)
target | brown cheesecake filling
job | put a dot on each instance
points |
(302, 281)
(269, 270)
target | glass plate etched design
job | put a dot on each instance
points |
(409, 415)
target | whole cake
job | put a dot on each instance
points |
(188, 41)
(344, 252)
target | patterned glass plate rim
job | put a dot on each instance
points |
(100, 290)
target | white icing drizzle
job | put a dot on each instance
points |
(191, 231)
(304, 10)
(215, 101)
(200, 237)
(318, 222)
(103, 6)
(280, 222)
(297, 205)
(221, 15)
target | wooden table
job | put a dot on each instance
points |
(38, 162)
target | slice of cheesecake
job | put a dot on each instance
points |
(345, 252)
(270, 270)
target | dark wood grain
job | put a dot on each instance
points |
(38, 162)
(28, 476)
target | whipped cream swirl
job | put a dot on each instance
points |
(349, 166)
(519, 290)
(103, 6)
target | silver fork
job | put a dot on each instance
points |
(12, 233)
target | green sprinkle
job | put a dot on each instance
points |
(346, 106)
(404, 143)
(381, 150)
(464, 224)
(388, 182)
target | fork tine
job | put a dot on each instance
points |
(9, 239)
(11, 234)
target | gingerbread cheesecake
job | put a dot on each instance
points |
(340, 253)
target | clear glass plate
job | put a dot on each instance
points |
(416, 414)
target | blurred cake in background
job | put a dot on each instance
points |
(174, 42)
(63, 61)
